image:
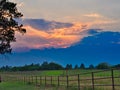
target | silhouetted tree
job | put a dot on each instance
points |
(82, 66)
(44, 66)
(68, 66)
(76, 67)
(116, 66)
(5, 68)
(103, 65)
(8, 25)
(91, 67)
(54, 66)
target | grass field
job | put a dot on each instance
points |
(49, 72)
(17, 76)
(17, 86)
(21, 86)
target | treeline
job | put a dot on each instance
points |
(91, 66)
(32, 67)
(55, 66)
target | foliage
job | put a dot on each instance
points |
(91, 66)
(68, 66)
(116, 66)
(76, 67)
(32, 67)
(8, 25)
(82, 66)
(103, 65)
(56, 66)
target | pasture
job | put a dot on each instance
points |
(16, 86)
(64, 80)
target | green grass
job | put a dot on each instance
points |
(52, 73)
(21, 86)
(16, 86)
(48, 72)
(63, 72)
(55, 73)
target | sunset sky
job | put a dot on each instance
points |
(103, 13)
(62, 24)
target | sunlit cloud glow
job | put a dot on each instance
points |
(51, 34)
(56, 38)
(93, 15)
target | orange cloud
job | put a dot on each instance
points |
(93, 15)
(57, 38)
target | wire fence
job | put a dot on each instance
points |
(99, 80)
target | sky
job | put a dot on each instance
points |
(96, 12)
(62, 24)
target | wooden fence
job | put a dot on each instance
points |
(0, 79)
(99, 80)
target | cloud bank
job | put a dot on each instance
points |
(50, 34)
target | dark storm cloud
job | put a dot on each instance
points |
(46, 25)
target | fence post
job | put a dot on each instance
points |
(40, 79)
(32, 79)
(78, 82)
(0, 79)
(45, 80)
(24, 79)
(36, 80)
(67, 82)
(93, 88)
(29, 79)
(58, 81)
(112, 74)
(51, 80)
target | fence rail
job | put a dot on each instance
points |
(98, 80)
(105, 80)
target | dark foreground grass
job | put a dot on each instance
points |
(21, 86)
(17, 86)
